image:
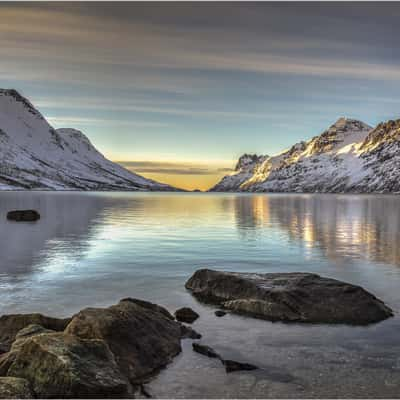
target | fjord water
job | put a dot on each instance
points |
(92, 249)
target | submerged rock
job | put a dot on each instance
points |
(142, 337)
(188, 333)
(186, 314)
(232, 366)
(205, 350)
(291, 297)
(14, 388)
(11, 324)
(23, 215)
(63, 365)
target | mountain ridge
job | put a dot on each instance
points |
(35, 156)
(348, 157)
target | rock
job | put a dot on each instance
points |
(14, 388)
(186, 314)
(220, 313)
(151, 306)
(205, 350)
(142, 338)
(8, 358)
(23, 215)
(291, 297)
(189, 333)
(11, 324)
(232, 366)
(65, 366)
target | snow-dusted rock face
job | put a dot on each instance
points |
(350, 156)
(34, 155)
(244, 170)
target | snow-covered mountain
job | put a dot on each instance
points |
(244, 170)
(34, 155)
(350, 156)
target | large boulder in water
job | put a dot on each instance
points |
(291, 297)
(65, 366)
(23, 215)
(11, 324)
(14, 388)
(142, 336)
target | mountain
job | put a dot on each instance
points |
(244, 170)
(349, 156)
(34, 155)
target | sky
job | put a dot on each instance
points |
(178, 91)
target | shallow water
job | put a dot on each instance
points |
(92, 249)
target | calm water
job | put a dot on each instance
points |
(92, 249)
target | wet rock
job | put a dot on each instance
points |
(142, 338)
(232, 366)
(14, 388)
(186, 314)
(11, 324)
(220, 313)
(291, 297)
(23, 215)
(189, 333)
(205, 350)
(63, 365)
(144, 392)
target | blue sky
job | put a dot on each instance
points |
(198, 84)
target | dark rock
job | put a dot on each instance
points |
(23, 215)
(11, 324)
(151, 306)
(141, 337)
(205, 350)
(144, 392)
(291, 297)
(186, 314)
(232, 366)
(220, 313)
(189, 333)
(14, 388)
(65, 366)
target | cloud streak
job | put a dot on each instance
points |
(172, 168)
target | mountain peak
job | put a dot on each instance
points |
(15, 96)
(248, 161)
(36, 156)
(345, 124)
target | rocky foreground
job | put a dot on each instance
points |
(98, 353)
(290, 297)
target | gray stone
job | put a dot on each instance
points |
(186, 314)
(142, 338)
(291, 297)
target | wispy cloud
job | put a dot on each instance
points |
(58, 121)
(173, 168)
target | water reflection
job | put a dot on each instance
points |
(341, 226)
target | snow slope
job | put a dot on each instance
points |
(349, 156)
(34, 155)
